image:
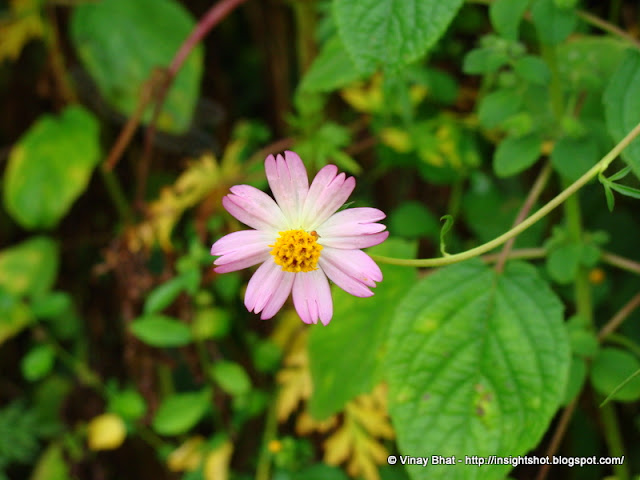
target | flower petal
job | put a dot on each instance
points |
(237, 241)
(353, 241)
(254, 208)
(328, 192)
(241, 249)
(312, 297)
(242, 263)
(351, 270)
(352, 221)
(289, 183)
(268, 289)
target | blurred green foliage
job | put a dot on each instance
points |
(115, 332)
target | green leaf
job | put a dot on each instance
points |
(563, 262)
(15, 315)
(515, 154)
(163, 295)
(413, 220)
(38, 362)
(51, 305)
(179, 413)
(612, 368)
(577, 376)
(532, 69)
(345, 357)
(448, 225)
(483, 60)
(51, 465)
(50, 167)
(231, 377)
(588, 62)
(211, 323)
(506, 16)
(553, 24)
(611, 201)
(391, 33)
(477, 361)
(499, 105)
(129, 404)
(572, 157)
(332, 69)
(318, 472)
(622, 106)
(626, 191)
(149, 34)
(29, 268)
(161, 331)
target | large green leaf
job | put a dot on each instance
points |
(50, 167)
(477, 362)
(622, 106)
(391, 33)
(345, 357)
(29, 268)
(120, 42)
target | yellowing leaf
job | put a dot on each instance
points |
(106, 432)
(197, 181)
(397, 139)
(186, 457)
(365, 98)
(305, 424)
(357, 440)
(294, 378)
(24, 24)
(217, 463)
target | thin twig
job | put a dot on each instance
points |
(608, 27)
(536, 190)
(558, 434)
(619, 317)
(621, 262)
(214, 16)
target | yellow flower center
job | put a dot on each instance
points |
(296, 251)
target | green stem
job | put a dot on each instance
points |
(455, 197)
(614, 439)
(117, 195)
(270, 432)
(601, 166)
(582, 288)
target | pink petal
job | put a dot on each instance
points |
(312, 297)
(268, 289)
(352, 221)
(352, 242)
(351, 270)
(254, 208)
(242, 263)
(328, 192)
(289, 183)
(237, 241)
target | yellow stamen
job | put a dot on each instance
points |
(297, 251)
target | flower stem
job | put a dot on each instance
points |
(601, 166)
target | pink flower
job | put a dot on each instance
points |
(300, 240)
